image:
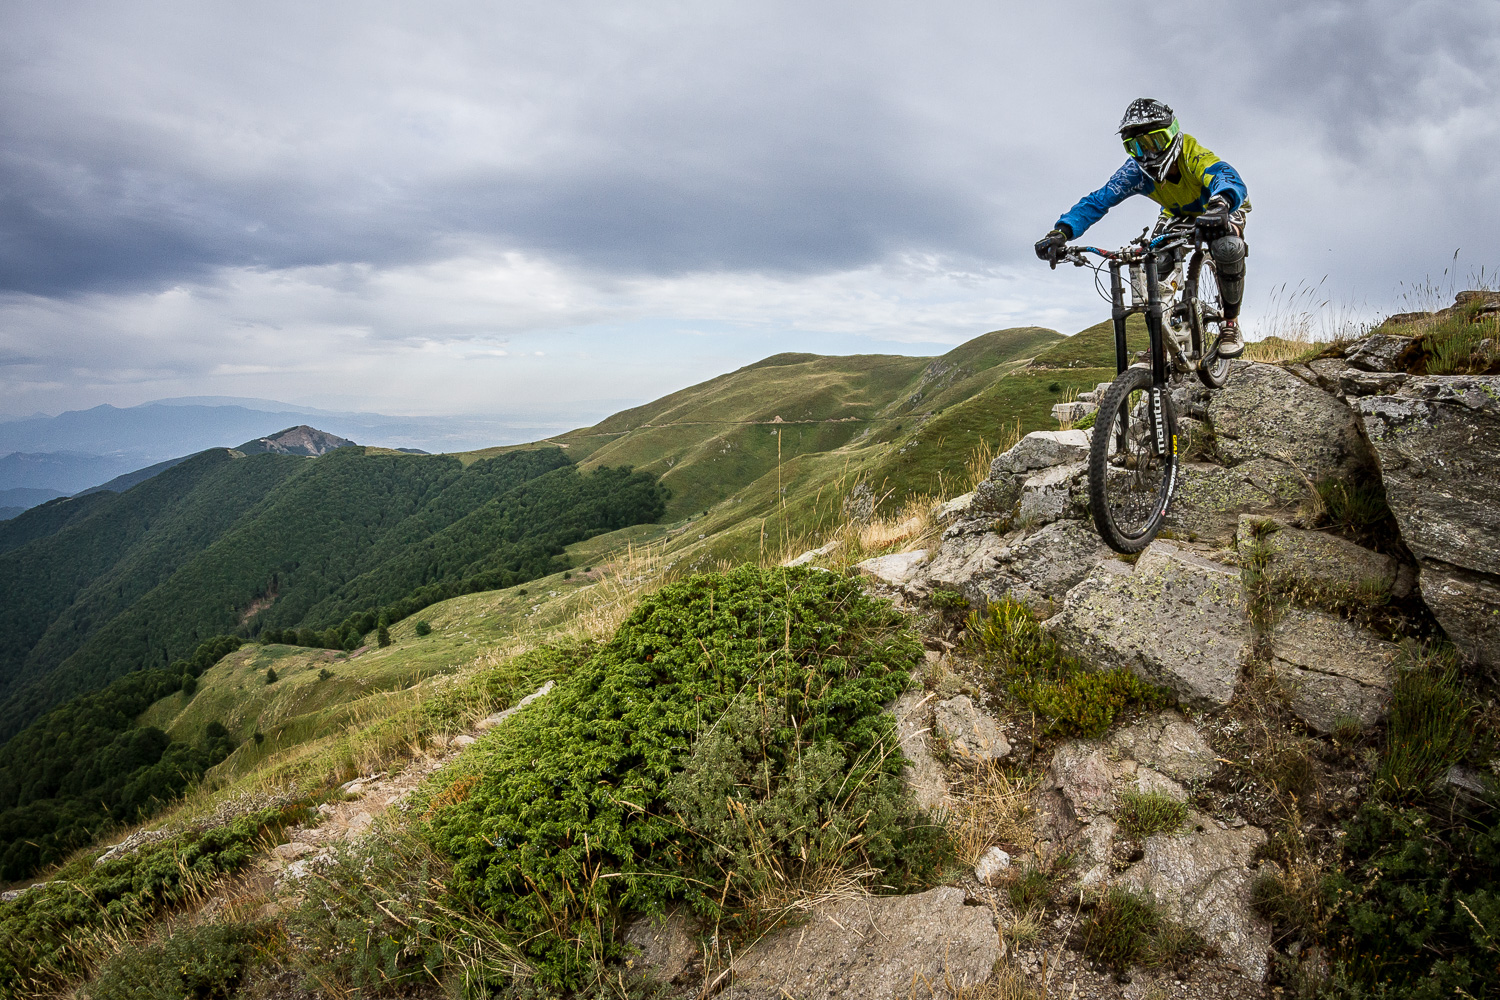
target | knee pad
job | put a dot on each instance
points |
(1229, 256)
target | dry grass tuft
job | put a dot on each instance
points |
(995, 808)
(977, 468)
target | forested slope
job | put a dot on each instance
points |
(233, 545)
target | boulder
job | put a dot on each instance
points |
(1334, 670)
(1210, 498)
(1037, 569)
(1041, 450)
(1468, 606)
(953, 510)
(970, 733)
(1168, 743)
(895, 570)
(1202, 880)
(1290, 556)
(1266, 412)
(1177, 620)
(812, 555)
(664, 945)
(1067, 413)
(1438, 444)
(873, 946)
(1383, 352)
(1054, 494)
(924, 776)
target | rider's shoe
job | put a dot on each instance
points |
(1231, 342)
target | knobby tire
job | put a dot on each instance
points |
(1129, 503)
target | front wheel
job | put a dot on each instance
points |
(1132, 461)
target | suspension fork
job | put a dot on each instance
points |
(1155, 308)
(1118, 312)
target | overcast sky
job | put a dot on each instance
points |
(562, 207)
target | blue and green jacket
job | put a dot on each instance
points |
(1202, 176)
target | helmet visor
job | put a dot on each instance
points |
(1150, 143)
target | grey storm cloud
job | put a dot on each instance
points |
(149, 144)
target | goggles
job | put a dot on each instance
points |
(1144, 145)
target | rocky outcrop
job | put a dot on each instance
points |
(896, 570)
(924, 776)
(1211, 498)
(1437, 441)
(1334, 670)
(1266, 412)
(971, 735)
(873, 946)
(1383, 352)
(1175, 619)
(1200, 873)
(1290, 557)
(1029, 468)
(1037, 569)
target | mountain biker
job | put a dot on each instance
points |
(1193, 187)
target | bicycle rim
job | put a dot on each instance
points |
(1132, 468)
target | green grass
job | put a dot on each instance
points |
(1094, 347)
(1033, 673)
(56, 934)
(1145, 813)
(1429, 728)
(1450, 343)
(1124, 930)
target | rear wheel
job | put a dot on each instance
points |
(1132, 461)
(1206, 313)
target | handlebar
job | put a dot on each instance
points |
(1137, 249)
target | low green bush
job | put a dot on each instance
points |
(728, 740)
(379, 915)
(195, 963)
(55, 934)
(1416, 910)
(1035, 673)
(1144, 813)
(948, 600)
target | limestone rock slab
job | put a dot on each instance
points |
(970, 733)
(1333, 668)
(1170, 744)
(895, 570)
(1438, 444)
(1177, 620)
(1211, 498)
(924, 776)
(1202, 879)
(1468, 606)
(1037, 569)
(1041, 450)
(1266, 412)
(873, 947)
(1335, 564)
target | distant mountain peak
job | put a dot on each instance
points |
(299, 440)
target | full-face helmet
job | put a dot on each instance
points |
(1152, 136)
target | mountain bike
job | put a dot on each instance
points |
(1133, 455)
